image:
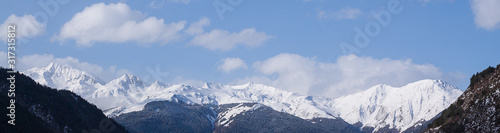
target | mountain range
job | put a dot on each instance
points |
(381, 108)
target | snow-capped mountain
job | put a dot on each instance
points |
(65, 77)
(396, 108)
(123, 91)
(378, 107)
(217, 94)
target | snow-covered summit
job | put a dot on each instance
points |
(394, 107)
(128, 80)
(65, 77)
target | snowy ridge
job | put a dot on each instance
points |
(377, 107)
(225, 118)
(399, 108)
(129, 93)
(65, 77)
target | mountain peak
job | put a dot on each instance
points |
(129, 79)
(401, 106)
(429, 81)
(52, 65)
(55, 66)
(73, 79)
(158, 83)
(431, 85)
(129, 75)
(211, 85)
(55, 69)
(244, 86)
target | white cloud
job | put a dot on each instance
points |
(230, 64)
(344, 13)
(348, 75)
(197, 27)
(224, 40)
(487, 13)
(118, 23)
(36, 60)
(26, 26)
(157, 3)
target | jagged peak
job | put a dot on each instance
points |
(244, 86)
(158, 84)
(210, 85)
(129, 78)
(56, 66)
(430, 83)
(53, 64)
(64, 70)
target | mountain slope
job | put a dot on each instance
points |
(166, 116)
(386, 107)
(123, 91)
(43, 109)
(66, 78)
(476, 110)
(216, 94)
(255, 117)
(128, 93)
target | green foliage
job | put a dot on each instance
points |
(451, 112)
(460, 102)
(43, 109)
(448, 120)
(479, 76)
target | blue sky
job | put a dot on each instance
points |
(293, 44)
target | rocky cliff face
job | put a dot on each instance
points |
(477, 109)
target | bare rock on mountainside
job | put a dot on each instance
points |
(477, 109)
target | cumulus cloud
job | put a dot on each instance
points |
(230, 64)
(487, 13)
(26, 26)
(40, 60)
(118, 23)
(224, 40)
(349, 74)
(197, 27)
(344, 13)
